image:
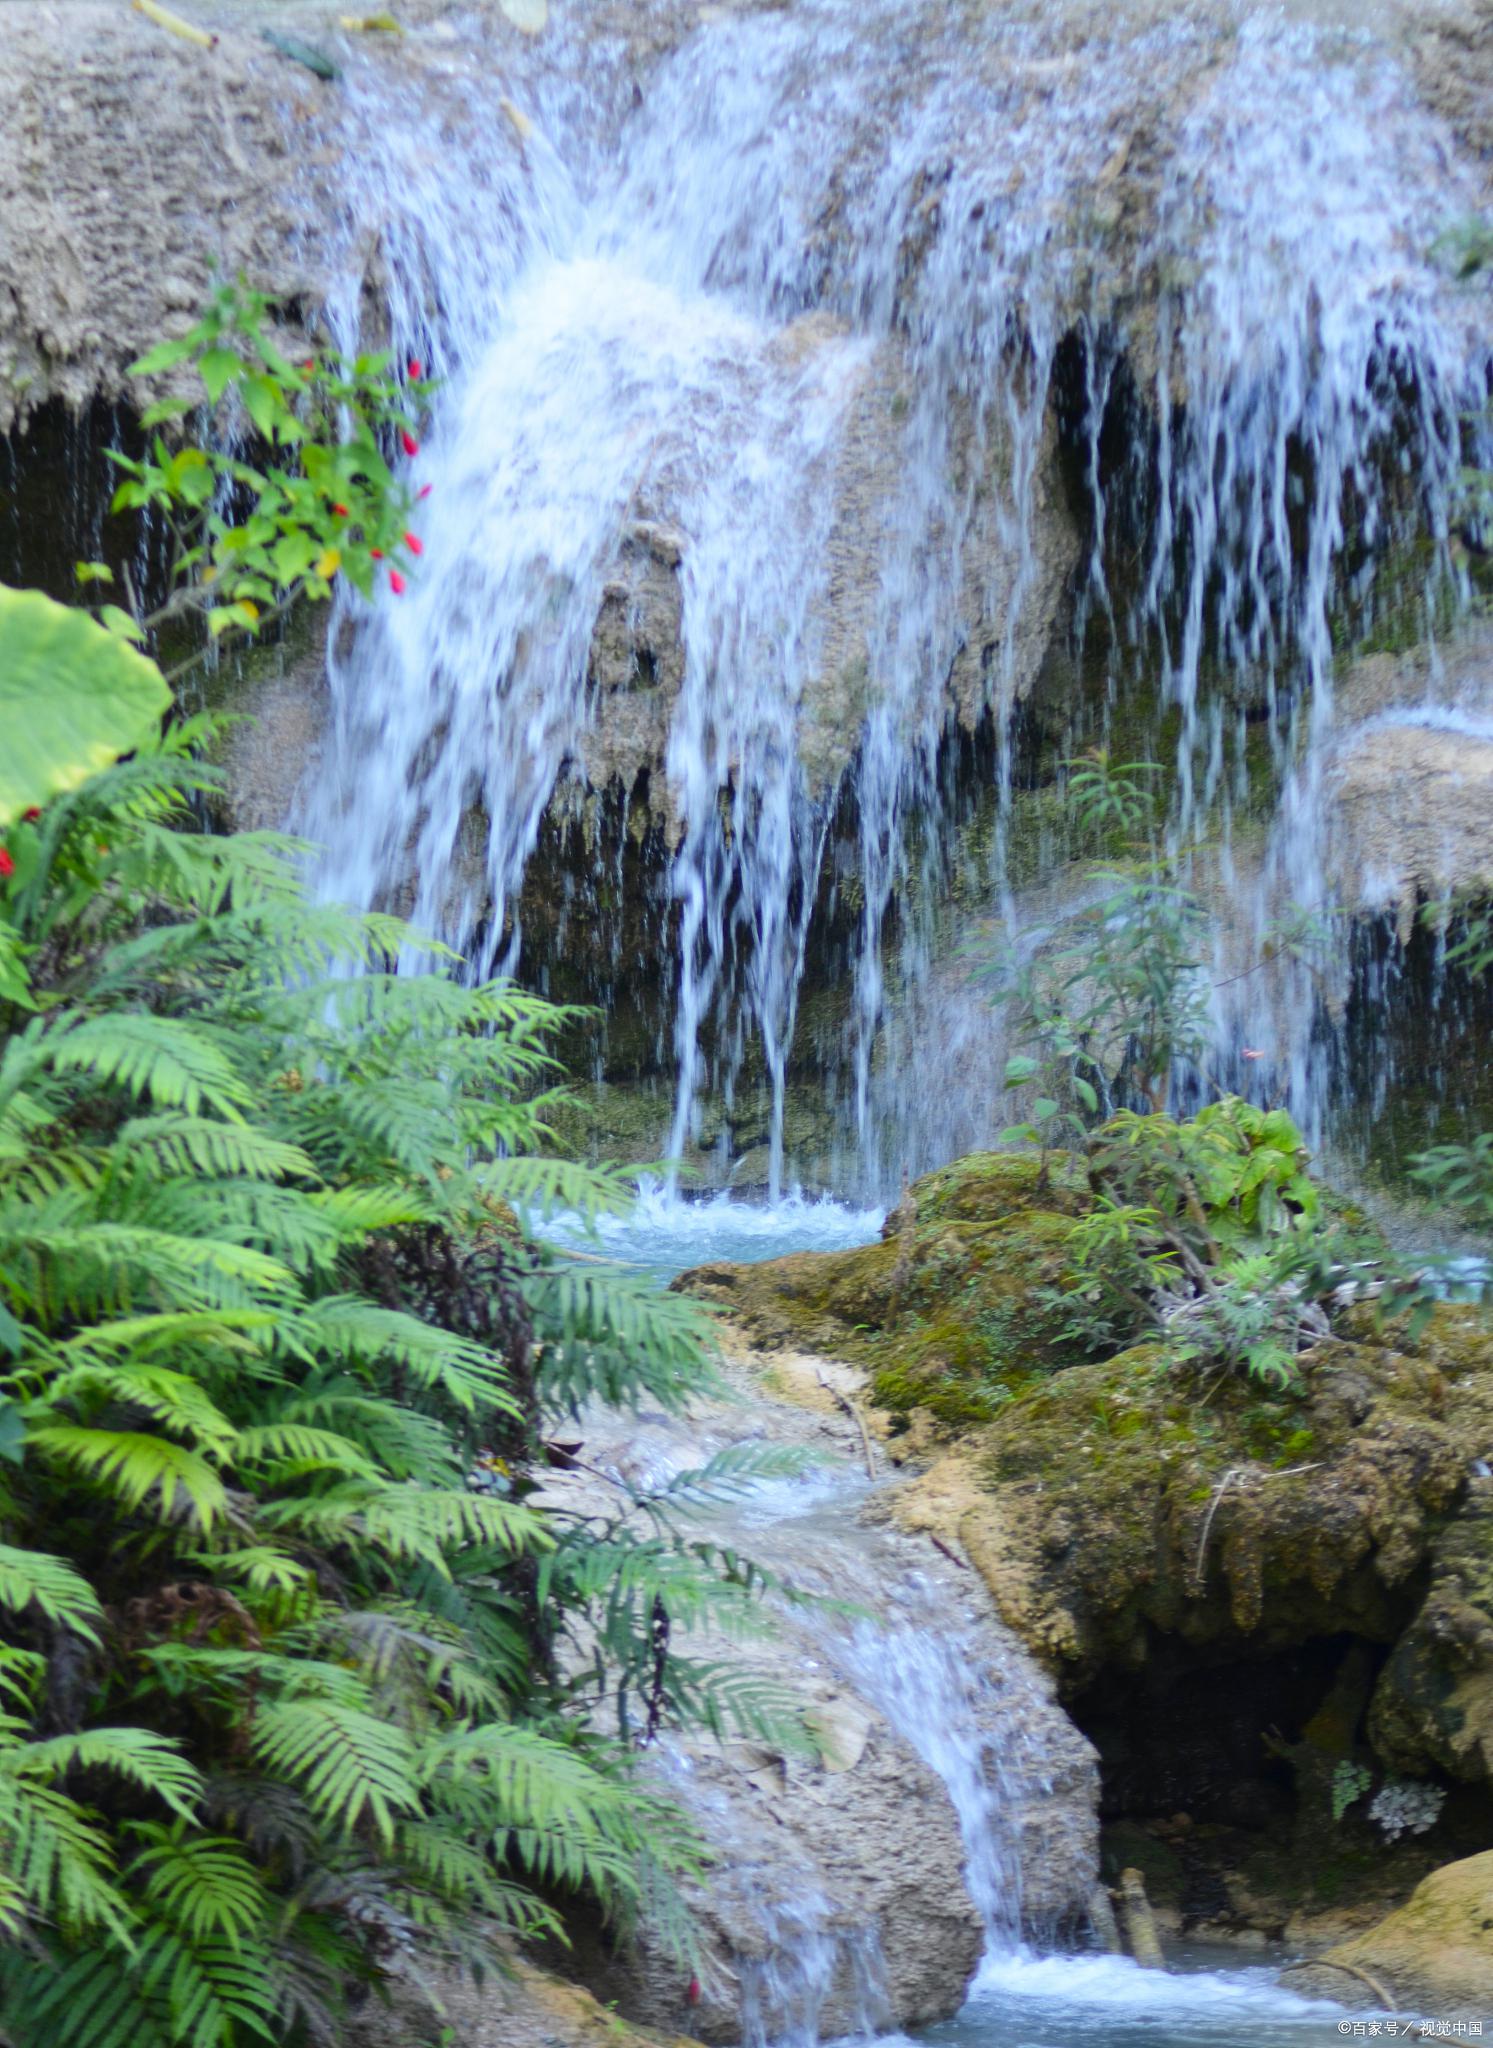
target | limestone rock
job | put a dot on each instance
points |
(518, 2006)
(1410, 777)
(1434, 1955)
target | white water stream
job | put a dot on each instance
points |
(776, 299)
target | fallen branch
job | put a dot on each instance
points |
(852, 1409)
(1352, 1970)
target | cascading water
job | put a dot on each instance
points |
(764, 310)
(947, 1808)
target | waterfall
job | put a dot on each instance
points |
(752, 324)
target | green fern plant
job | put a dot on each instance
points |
(285, 1695)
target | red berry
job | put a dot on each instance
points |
(693, 1993)
(341, 512)
(377, 554)
(396, 583)
(417, 368)
(411, 445)
(7, 865)
(29, 817)
(414, 543)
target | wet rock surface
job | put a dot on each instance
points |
(935, 1782)
(517, 2006)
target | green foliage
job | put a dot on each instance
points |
(1349, 1783)
(72, 698)
(282, 1634)
(295, 1675)
(1105, 1009)
(287, 482)
(1210, 1233)
(1205, 1231)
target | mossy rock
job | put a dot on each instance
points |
(1435, 1954)
(1110, 1505)
(988, 1187)
(954, 1309)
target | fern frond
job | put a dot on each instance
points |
(132, 1466)
(31, 1578)
(350, 1765)
(161, 1059)
(182, 1144)
(153, 1763)
(204, 1885)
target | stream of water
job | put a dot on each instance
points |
(965, 1699)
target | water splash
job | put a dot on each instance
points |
(667, 1233)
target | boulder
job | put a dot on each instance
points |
(516, 2006)
(1433, 1955)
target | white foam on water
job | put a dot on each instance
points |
(669, 1232)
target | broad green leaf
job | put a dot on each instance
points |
(166, 354)
(1019, 1068)
(73, 698)
(218, 368)
(1043, 1108)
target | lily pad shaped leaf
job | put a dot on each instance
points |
(73, 698)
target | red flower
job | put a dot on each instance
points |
(7, 865)
(417, 368)
(414, 543)
(411, 445)
(29, 817)
(423, 492)
(693, 1993)
(396, 583)
(341, 512)
(377, 554)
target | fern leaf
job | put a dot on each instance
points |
(32, 1578)
(350, 1765)
(152, 1762)
(132, 1466)
(164, 1059)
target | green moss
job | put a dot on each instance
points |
(954, 1310)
